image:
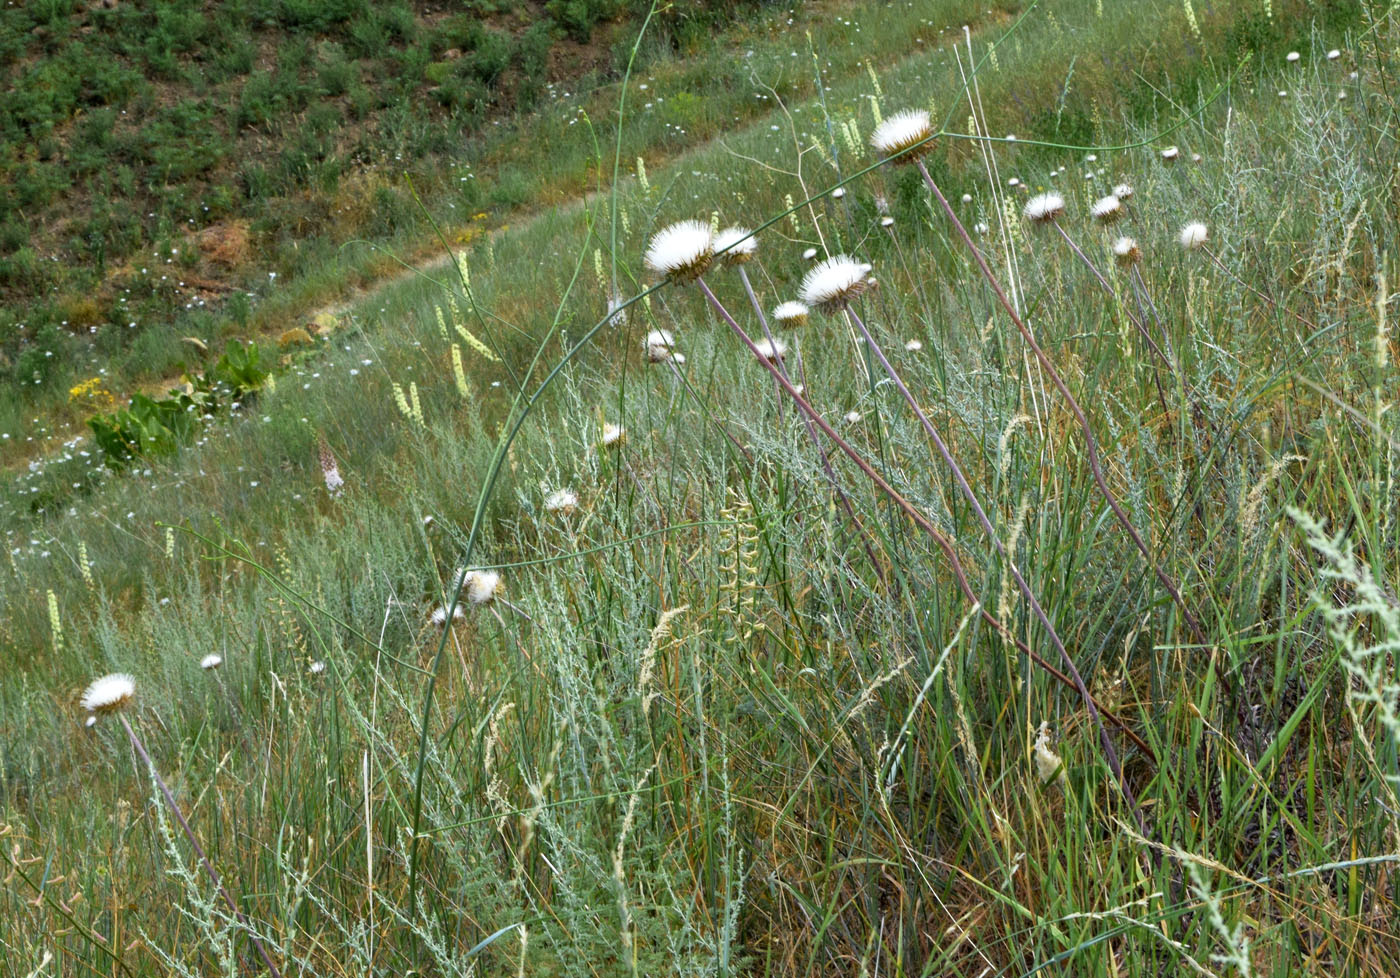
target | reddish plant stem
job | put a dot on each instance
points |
(1110, 754)
(943, 542)
(1091, 449)
(198, 849)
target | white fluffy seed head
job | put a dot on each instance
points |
(735, 246)
(1048, 765)
(771, 350)
(1043, 208)
(791, 315)
(967, 198)
(904, 137)
(914, 346)
(852, 417)
(1333, 55)
(1123, 191)
(1170, 153)
(831, 285)
(561, 501)
(611, 434)
(1126, 252)
(682, 251)
(109, 694)
(211, 661)
(809, 254)
(1108, 209)
(1293, 57)
(439, 615)
(1194, 235)
(886, 221)
(316, 668)
(660, 345)
(480, 586)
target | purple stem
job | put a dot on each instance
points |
(1109, 753)
(1091, 449)
(199, 850)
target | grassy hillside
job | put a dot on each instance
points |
(736, 708)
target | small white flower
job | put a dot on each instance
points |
(480, 586)
(904, 137)
(1333, 55)
(736, 245)
(681, 251)
(1283, 93)
(852, 417)
(1292, 57)
(1196, 157)
(771, 350)
(981, 227)
(110, 693)
(1126, 252)
(1048, 765)
(211, 661)
(809, 254)
(791, 315)
(967, 198)
(1092, 158)
(316, 668)
(659, 345)
(1108, 209)
(439, 615)
(1014, 182)
(1123, 191)
(1193, 236)
(561, 501)
(886, 221)
(914, 346)
(611, 434)
(838, 193)
(1044, 207)
(831, 285)
(1170, 153)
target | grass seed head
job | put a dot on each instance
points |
(831, 285)
(681, 252)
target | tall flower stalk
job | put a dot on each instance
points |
(1091, 449)
(112, 694)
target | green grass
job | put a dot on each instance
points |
(320, 187)
(823, 761)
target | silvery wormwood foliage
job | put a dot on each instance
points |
(1368, 655)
